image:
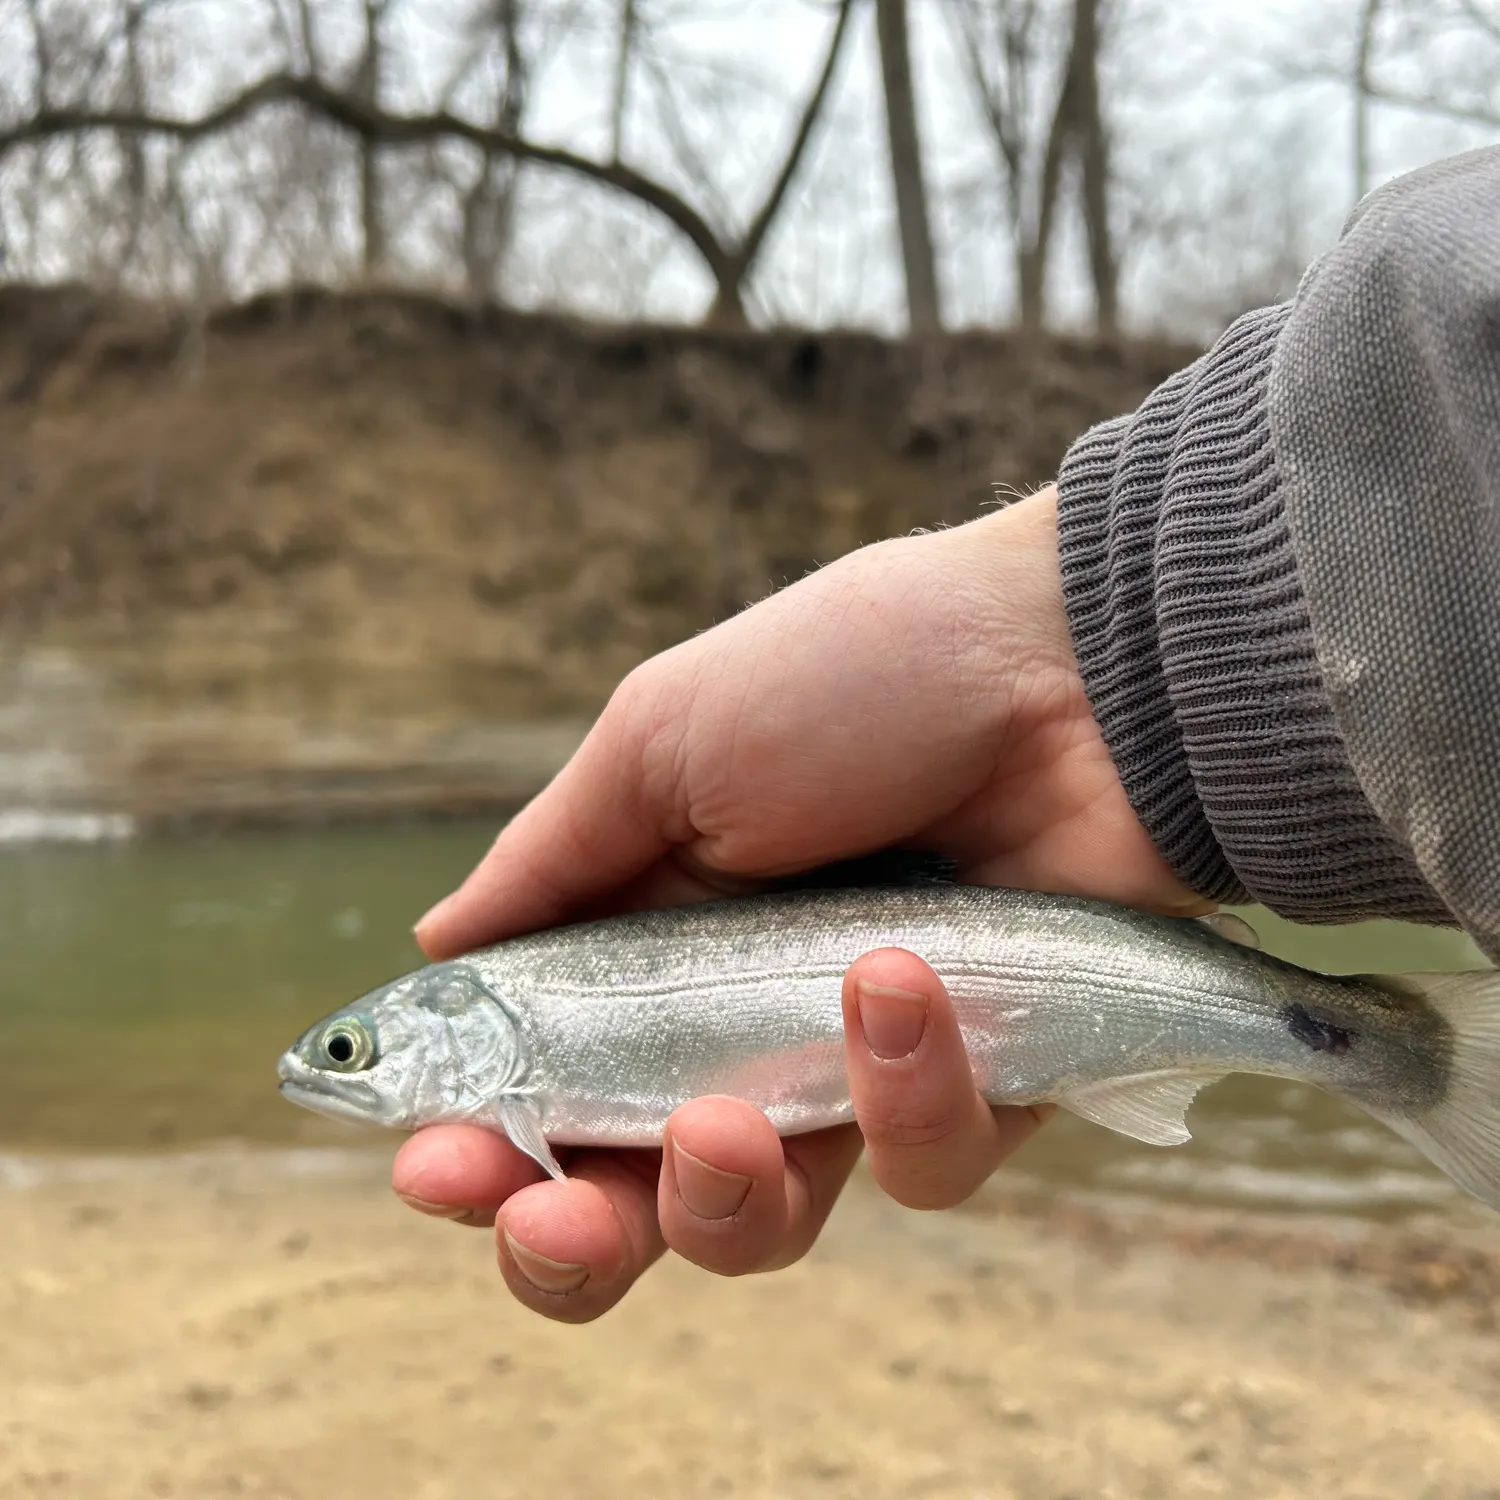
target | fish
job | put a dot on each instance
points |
(593, 1033)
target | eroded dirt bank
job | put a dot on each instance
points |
(314, 550)
(225, 1330)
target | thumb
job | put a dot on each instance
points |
(608, 815)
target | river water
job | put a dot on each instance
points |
(147, 988)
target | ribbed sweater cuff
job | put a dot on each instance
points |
(1193, 638)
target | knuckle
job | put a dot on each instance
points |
(648, 722)
(930, 1158)
(909, 1127)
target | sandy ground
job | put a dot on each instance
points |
(228, 1329)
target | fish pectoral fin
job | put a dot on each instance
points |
(1231, 928)
(1150, 1107)
(521, 1119)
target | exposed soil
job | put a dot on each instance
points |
(381, 519)
(222, 1329)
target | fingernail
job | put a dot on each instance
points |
(892, 1020)
(707, 1192)
(553, 1276)
(447, 1210)
(434, 913)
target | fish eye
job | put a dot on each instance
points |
(347, 1047)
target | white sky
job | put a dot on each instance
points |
(1227, 167)
(1231, 178)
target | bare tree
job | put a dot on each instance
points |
(133, 96)
(29, 203)
(730, 256)
(367, 86)
(1453, 46)
(1091, 146)
(487, 200)
(1363, 54)
(625, 52)
(1439, 58)
(924, 314)
(1010, 47)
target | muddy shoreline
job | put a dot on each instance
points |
(76, 745)
(322, 557)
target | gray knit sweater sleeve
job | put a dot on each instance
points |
(1283, 579)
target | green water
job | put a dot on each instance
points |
(147, 989)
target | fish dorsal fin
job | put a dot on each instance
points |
(1150, 1107)
(521, 1120)
(1231, 928)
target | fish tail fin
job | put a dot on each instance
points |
(1461, 1135)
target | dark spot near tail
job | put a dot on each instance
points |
(1321, 1036)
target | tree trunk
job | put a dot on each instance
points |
(1362, 57)
(924, 313)
(622, 77)
(367, 88)
(135, 151)
(1035, 240)
(1093, 153)
(727, 310)
(489, 209)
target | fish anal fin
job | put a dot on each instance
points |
(521, 1120)
(1150, 1107)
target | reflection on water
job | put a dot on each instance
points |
(148, 988)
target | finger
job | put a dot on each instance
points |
(818, 1166)
(460, 1172)
(605, 818)
(734, 1198)
(931, 1137)
(570, 1250)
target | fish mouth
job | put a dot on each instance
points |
(328, 1093)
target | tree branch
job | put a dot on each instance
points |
(1481, 18)
(361, 119)
(761, 224)
(1431, 105)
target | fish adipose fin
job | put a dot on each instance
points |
(521, 1120)
(1461, 1135)
(1150, 1107)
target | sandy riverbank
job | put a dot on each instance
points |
(227, 1329)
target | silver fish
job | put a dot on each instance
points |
(592, 1034)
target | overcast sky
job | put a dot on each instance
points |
(1231, 176)
(1227, 166)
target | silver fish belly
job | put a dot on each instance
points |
(593, 1034)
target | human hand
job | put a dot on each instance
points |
(922, 692)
